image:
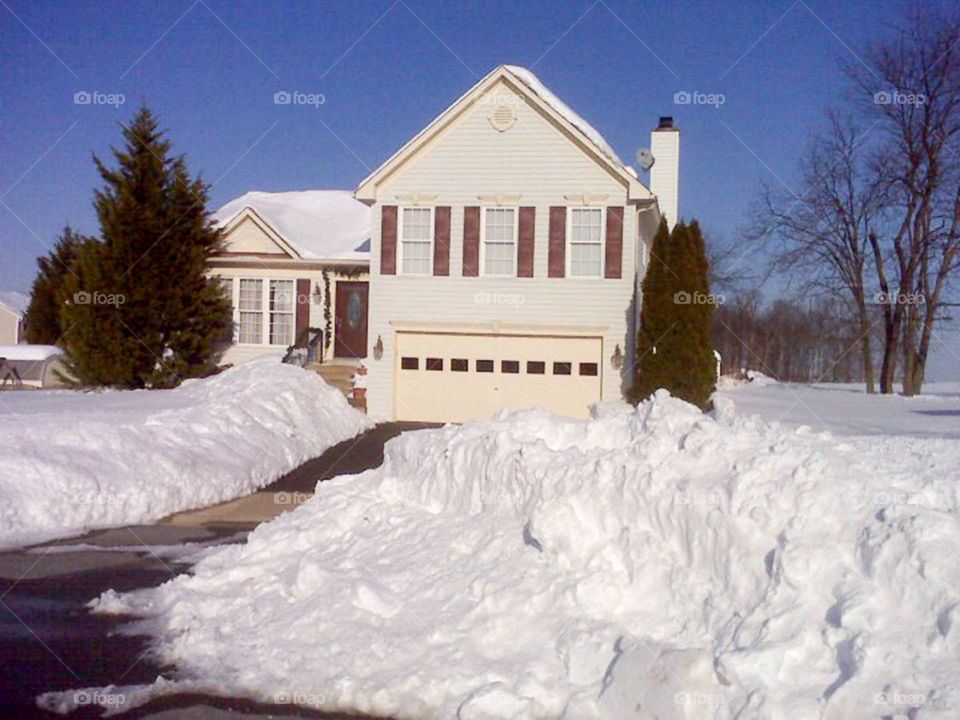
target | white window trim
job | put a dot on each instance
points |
(483, 241)
(433, 228)
(265, 311)
(568, 250)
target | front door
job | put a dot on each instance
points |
(350, 338)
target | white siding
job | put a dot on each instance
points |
(9, 327)
(536, 161)
(248, 237)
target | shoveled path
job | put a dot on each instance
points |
(49, 641)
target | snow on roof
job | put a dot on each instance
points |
(575, 119)
(15, 301)
(318, 224)
(36, 353)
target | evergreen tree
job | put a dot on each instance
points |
(42, 320)
(674, 341)
(141, 309)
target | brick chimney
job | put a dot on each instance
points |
(665, 173)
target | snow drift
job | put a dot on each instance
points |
(72, 461)
(656, 563)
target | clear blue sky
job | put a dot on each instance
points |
(209, 70)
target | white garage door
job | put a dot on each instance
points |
(445, 377)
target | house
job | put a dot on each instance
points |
(13, 305)
(494, 261)
(296, 261)
(509, 242)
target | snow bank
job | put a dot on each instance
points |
(72, 461)
(650, 563)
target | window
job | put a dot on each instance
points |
(588, 369)
(251, 311)
(416, 241)
(499, 241)
(586, 242)
(459, 365)
(434, 364)
(561, 368)
(536, 367)
(484, 366)
(409, 363)
(509, 366)
(281, 312)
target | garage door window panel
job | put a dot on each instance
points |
(561, 368)
(416, 241)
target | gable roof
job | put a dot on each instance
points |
(311, 224)
(15, 302)
(541, 97)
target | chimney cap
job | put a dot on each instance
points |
(666, 123)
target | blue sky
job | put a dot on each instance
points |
(209, 70)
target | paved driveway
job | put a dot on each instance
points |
(48, 640)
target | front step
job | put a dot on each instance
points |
(340, 377)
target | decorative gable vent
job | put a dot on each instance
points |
(503, 117)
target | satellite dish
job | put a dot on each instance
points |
(645, 158)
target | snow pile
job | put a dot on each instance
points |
(649, 563)
(72, 461)
(37, 353)
(318, 224)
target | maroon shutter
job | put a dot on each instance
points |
(303, 308)
(613, 260)
(441, 241)
(471, 241)
(557, 249)
(388, 240)
(525, 227)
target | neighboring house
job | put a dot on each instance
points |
(295, 261)
(13, 305)
(508, 246)
(31, 366)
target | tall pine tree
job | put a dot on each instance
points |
(139, 307)
(674, 341)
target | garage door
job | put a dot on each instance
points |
(444, 377)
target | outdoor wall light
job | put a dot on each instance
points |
(616, 360)
(378, 348)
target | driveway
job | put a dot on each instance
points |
(50, 642)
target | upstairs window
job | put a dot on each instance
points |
(586, 242)
(500, 241)
(416, 241)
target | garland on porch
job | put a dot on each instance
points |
(327, 320)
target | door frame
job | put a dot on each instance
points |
(340, 349)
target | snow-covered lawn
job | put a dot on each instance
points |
(649, 563)
(74, 461)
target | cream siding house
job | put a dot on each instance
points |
(296, 262)
(12, 307)
(508, 243)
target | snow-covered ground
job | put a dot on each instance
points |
(74, 461)
(650, 563)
